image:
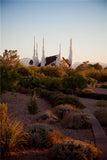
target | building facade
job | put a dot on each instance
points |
(51, 60)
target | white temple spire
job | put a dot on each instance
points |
(34, 47)
(34, 51)
(35, 54)
(70, 53)
(58, 60)
(36, 57)
(43, 62)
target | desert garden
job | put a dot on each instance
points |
(44, 111)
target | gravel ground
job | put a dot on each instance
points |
(17, 107)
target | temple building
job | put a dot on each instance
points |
(35, 55)
(52, 60)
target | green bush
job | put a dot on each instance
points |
(92, 71)
(100, 76)
(29, 82)
(57, 98)
(73, 150)
(101, 115)
(24, 71)
(51, 83)
(76, 121)
(23, 90)
(92, 81)
(9, 78)
(33, 106)
(13, 137)
(53, 71)
(42, 135)
(75, 81)
(92, 95)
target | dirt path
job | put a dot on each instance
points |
(99, 134)
(91, 104)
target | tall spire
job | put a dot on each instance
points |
(36, 56)
(43, 62)
(70, 53)
(36, 49)
(34, 46)
(43, 44)
(58, 60)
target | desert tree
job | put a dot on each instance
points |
(10, 57)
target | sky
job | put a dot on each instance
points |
(85, 21)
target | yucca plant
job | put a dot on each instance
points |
(32, 106)
(12, 135)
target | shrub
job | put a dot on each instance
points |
(47, 116)
(104, 86)
(92, 95)
(100, 76)
(92, 81)
(75, 81)
(32, 106)
(53, 71)
(57, 98)
(97, 66)
(12, 135)
(79, 120)
(73, 150)
(29, 82)
(9, 78)
(51, 83)
(101, 115)
(62, 110)
(42, 135)
(23, 90)
(24, 71)
(102, 103)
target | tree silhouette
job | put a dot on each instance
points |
(10, 57)
(97, 66)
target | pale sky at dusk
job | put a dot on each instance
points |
(85, 21)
